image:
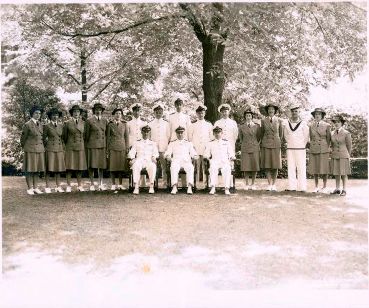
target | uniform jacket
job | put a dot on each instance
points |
(117, 136)
(230, 129)
(95, 133)
(144, 149)
(160, 133)
(271, 133)
(73, 135)
(134, 130)
(320, 137)
(179, 119)
(250, 138)
(31, 138)
(180, 150)
(200, 134)
(219, 150)
(341, 144)
(296, 134)
(53, 137)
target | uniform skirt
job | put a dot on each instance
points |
(117, 160)
(271, 158)
(340, 166)
(55, 161)
(75, 160)
(96, 158)
(318, 163)
(250, 162)
(33, 162)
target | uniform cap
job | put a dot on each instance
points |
(98, 105)
(180, 129)
(145, 128)
(136, 106)
(321, 110)
(158, 105)
(75, 107)
(217, 129)
(224, 106)
(201, 108)
(54, 111)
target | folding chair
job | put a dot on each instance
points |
(143, 172)
(181, 171)
(232, 189)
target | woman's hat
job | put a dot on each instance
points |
(116, 110)
(98, 105)
(339, 117)
(136, 106)
(224, 106)
(54, 111)
(34, 109)
(158, 105)
(75, 107)
(249, 110)
(318, 110)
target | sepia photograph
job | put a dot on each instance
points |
(184, 154)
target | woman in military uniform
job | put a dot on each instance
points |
(271, 136)
(250, 149)
(75, 156)
(340, 157)
(320, 139)
(34, 151)
(54, 156)
(117, 146)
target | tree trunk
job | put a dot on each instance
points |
(83, 77)
(213, 75)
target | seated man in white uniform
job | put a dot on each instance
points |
(220, 154)
(144, 153)
(181, 152)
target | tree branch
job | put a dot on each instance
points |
(197, 25)
(102, 89)
(53, 60)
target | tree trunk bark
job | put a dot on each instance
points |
(83, 77)
(213, 76)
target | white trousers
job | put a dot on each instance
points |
(225, 169)
(140, 164)
(176, 165)
(296, 160)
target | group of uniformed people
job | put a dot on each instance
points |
(97, 144)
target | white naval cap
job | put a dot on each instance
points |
(224, 106)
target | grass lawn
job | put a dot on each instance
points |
(249, 240)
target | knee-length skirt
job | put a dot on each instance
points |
(75, 160)
(250, 162)
(55, 161)
(340, 166)
(96, 158)
(33, 162)
(271, 158)
(318, 163)
(117, 160)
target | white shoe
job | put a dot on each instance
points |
(136, 191)
(274, 188)
(59, 189)
(316, 190)
(69, 189)
(269, 188)
(30, 191)
(189, 190)
(248, 187)
(102, 187)
(212, 191)
(226, 191)
(324, 190)
(80, 188)
(113, 187)
(151, 190)
(121, 187)
(92, 188)
(174, 190)
(48, 190)
(38, 191)
(253, 187)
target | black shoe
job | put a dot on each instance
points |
(336, 192)
(343, 193)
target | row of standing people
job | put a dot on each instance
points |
(86, 145)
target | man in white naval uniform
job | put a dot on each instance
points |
(135, 125)
(200, 134)
(220, 154)
(160, 133)
(296, 134)
(143, 153)
(178, 118)
(181, 152)
(228, 126)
